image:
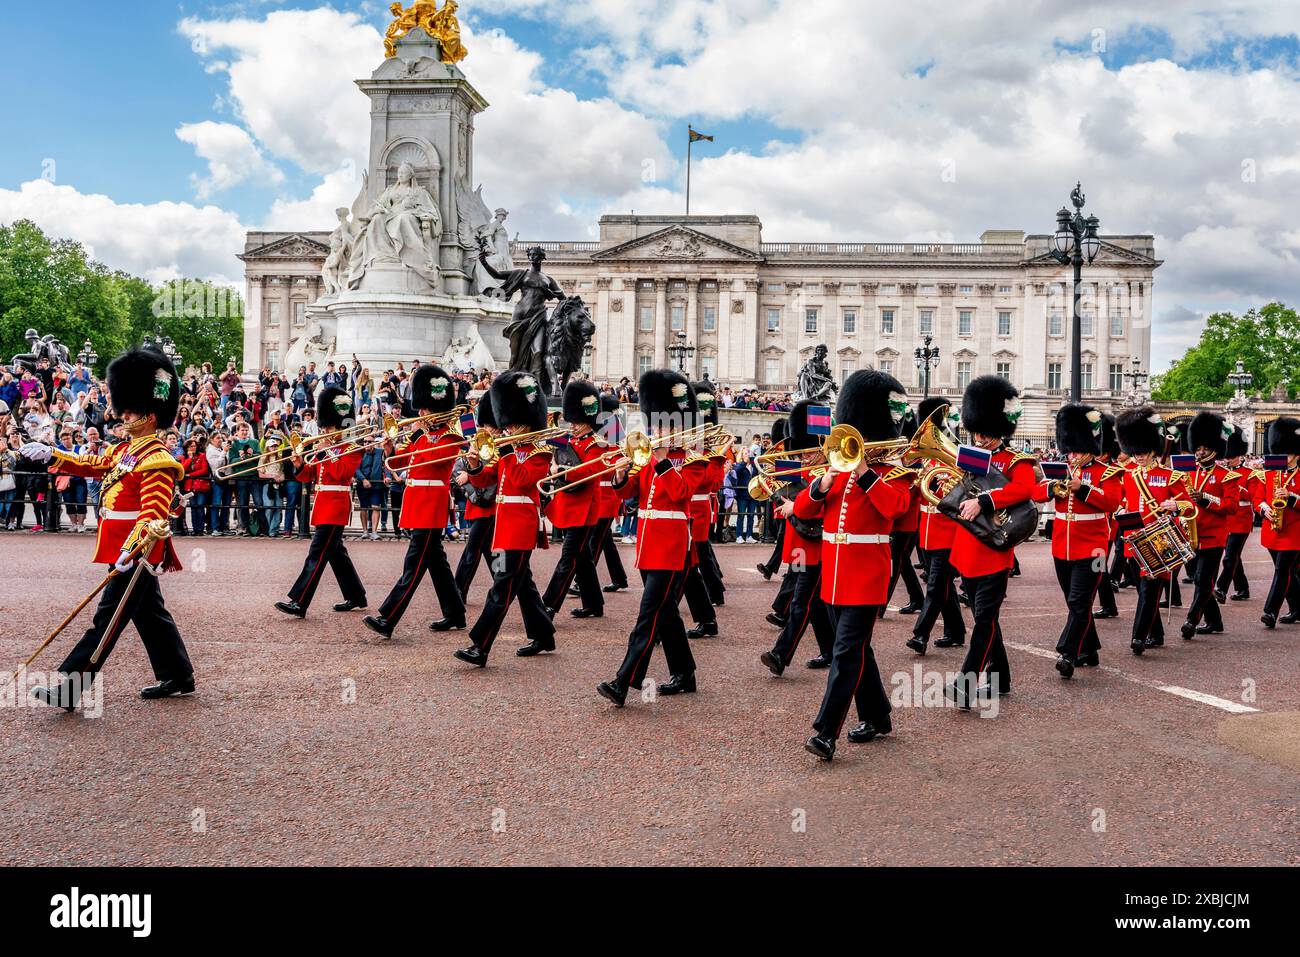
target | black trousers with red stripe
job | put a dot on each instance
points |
(424, 553)
(1147, 622)
(785, 594)
(698, 598)
(602, 543)
(940, 598)
(710, 571)
(1079, 580)
(478, 548)
(1234, 572)
(327, 548)
(512, 578)
(1284, 587)
(576, 561)
(854, 676)
(987, 653)
(806, 609)
(658, 622)
(1204, 604)
(144, 609)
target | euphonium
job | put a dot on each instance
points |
(931, 443)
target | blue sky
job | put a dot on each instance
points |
(833, 121)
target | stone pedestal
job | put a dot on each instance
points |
(382, 329)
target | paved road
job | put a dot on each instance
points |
(314, 742)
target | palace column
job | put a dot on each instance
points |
(253, 310)
(661, 323)
(692, 324)
(603, 340)
(749, 335)
(726, 296)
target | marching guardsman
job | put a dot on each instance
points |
(704, 588)
(990, 412)
(1110, 453)
(607, 504)
(1240, 524)
(663, 538)
(902, 543)
(935, 542)
(858, 509)
(1215, 491)
(1152, 490)
(428, 460)
(518, 407)
(573, 507)
(770, 567)
(1084, 502)
(332, 472)
(138, 478)
(803, 553)
(480, 511)
(1279, 505)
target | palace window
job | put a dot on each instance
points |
(1116, 324)
(965, 289)
(1117, 377)
(272, 313)
(1086, 375)
(771, 371)
(643, 364)
(709, 285)
(708, 366)
(1056, 324)
(886, 322)
(774, 320)
(850, 322)
(300, 314)
(1054, 375)
(678, 317)
(963, 374)
(965, 322)
(647, 318)
(775, 286)
(1004, 290)
(1004, 323)
(848, 288)
(847, 368)
(887, 366)
(710, 319)
(678, 286)
(810, 321)
(585, 284)
(1086, 324)
(927, 290)
(813, 288)
(926, 322)
(1004, 370)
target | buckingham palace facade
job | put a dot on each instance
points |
(754, 310)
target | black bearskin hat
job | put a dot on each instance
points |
(1284, 437)
(991, 406)
(609, 402)
(483, 412)
(1109, 443)
(1236, 446)
(334, 408)
(581, 403)
(432, 390)
(517, 400)
(928, 407)
(1208, 431)
(667, 400)
(144, 381)
(706, 397)
(1140, 431)
(795, 428)
(874, 403)
(1078, 429)
(779, 430)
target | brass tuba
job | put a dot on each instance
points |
(931, 443)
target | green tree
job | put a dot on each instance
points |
(205, 320)
(1266, 340)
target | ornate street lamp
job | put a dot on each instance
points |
(1239, 406)
(87, 355)
(681, 350)
(1137, 391)
(1075, 242)
(927, 358)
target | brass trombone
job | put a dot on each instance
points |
(295, 446)
(636, 453)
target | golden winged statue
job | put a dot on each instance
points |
(442, 25)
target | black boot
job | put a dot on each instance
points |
(349, 605)
(588, 613)
(1065, 666)
(291, 608)
(774, 619)
(1270, 621)
(870, 730)
(379, 625)
(765, 572)
(446, 624)
(612, 691)
(772, 663)
(473, 655)
(1210, 629)
(821, 746)
(946, 642)
(1138, 646)
(679, 684)
(911, 608)
(707, 630)
(918, 644)
(1188, 631)
(611, 588)
(535, 647)
(64, 695)
(168, 688)
(821, 661)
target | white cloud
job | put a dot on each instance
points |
(231, 155)
(158, 241)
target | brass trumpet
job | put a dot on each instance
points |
(636, 453)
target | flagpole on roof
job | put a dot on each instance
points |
(690, 141)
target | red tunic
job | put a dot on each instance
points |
(971, 557)
(516, 474)
(794, 547)
(1082, 522)
(1222, 488)
(663, 534)
(1270, 486)
(139, 477)
(704, 497)
(1242, 521)
(910, 520)
(333, 477)
(856, 524)
(575, 506)
(427, 499)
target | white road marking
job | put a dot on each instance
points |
(1223, 704)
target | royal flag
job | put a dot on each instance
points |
(1183, 463)
(1275, 463)
(1056, 471)
(559, 442)
(468, 427)
(819, 420)
(696, 135)
(1129, 521)
(788, 465)
(974, 460)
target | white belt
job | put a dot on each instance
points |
(844, 538)
(334, 488)
(701, 498)
(930, 510)
(606, 484)
(514, 500)
(425, 483)
(1080, 517)
(118, 516)
(659, 513)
